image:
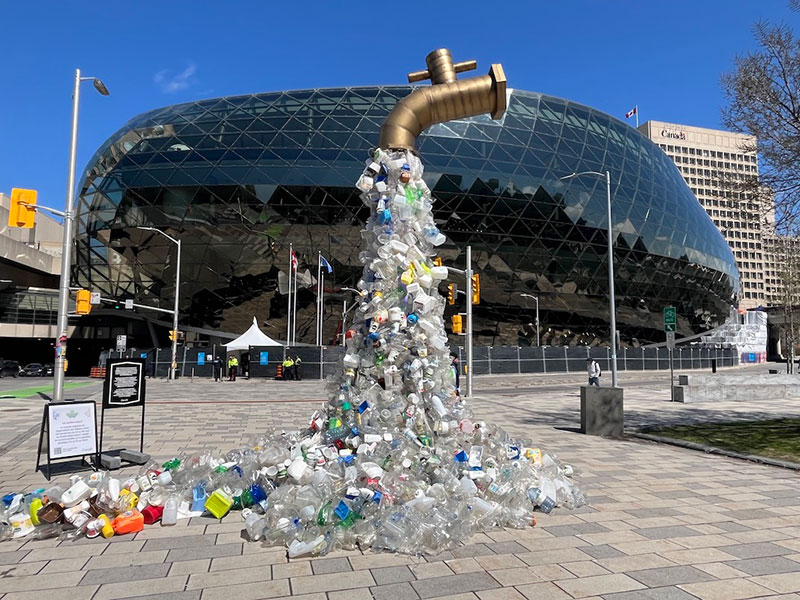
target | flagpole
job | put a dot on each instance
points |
(294, 305)
(319, 287)
(637, 116)
(289, 301)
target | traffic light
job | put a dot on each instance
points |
(83, 300)
(21, 214)
(458, 326)
(476, 289)
(173, 335)
(437, 261)
(452, 290)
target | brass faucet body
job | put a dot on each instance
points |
(446, 99)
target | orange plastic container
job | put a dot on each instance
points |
(128, 522)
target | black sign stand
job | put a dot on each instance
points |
(124, 386)
(83, 464)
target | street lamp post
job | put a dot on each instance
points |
(538, 342)
(66, 247)
(174, 363)
(611, 300)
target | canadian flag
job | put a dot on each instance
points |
(294, 262)
(631, 112)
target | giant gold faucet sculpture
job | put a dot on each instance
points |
(446, 99)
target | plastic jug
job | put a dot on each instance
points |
(219, 503)
(128, 522)
(170, 516)
(36, 506)
(152, 513)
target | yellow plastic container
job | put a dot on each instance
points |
(108, 529)
(219, 503)
(36, 506)
(127, 500)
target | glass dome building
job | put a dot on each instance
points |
(238, 179)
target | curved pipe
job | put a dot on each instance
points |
(443, 102)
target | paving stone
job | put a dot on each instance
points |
(185, 541)
(374, 560)
(507, 547)
(543, 591)
(108, 561)
(190, 567)
(464, 565)
(432, 569)
(725, 589)
(332, 565)
(666, 576)
(65, 565)
(585, 568)
(455, 584)
(22, 569)
(102, 576)
(356, 594)
(188, 595)
(126, 548)
(73, 593)
(60, 552)
(662, 593)
(295, 569)
(599, 585)
(215, 579)
(248, 591)
(10, 558)
(647, 547)
(720, 570)
(472, 550)
(499, 561)
(766, 566)
(247, 560)
(328, 583)
(625, 564)
(577, 529)
(387, 575)
(519, 576)
(181, 554)
(555, 556)
(757, 550)
(779, 582)
(39, 582)
(697, 555)
(602, 551)
(550, 572)
(660, 533)
(508, 593)
(394, 591)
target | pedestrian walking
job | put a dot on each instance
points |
(233, 366)
(594, 371)
(297, 362)
(217, 364)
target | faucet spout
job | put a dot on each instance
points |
(445, 100)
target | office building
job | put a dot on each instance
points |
(707, 158)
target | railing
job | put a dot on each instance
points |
(318, 362)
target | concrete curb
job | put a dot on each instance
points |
(714, 450)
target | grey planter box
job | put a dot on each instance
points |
(601, 411)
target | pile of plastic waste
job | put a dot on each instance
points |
(393, 461)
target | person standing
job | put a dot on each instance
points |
(288, 368)
(233, 365)
(594, 371)
(297, 363)
(217, 364)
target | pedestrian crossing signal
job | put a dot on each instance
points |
(23, 211)
(173, 335)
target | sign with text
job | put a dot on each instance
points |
(122, 343)
(264, 358)
(671, 340)
(125, 383)
(71, 429)
(670, 318)
(201, 358)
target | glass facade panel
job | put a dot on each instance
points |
(238, 179)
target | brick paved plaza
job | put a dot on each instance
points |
(662, 522)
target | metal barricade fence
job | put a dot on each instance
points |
(318, 362)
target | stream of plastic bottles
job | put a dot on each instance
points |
(394, 460)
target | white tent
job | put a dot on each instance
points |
(252, 337)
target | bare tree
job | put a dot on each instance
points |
(763, 95)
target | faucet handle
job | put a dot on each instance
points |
(442, 68)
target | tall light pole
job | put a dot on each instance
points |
(611, 301)
(174, 363)
(538, 343)
(66, 247)
(345, 310)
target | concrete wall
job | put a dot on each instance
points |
(737, 388)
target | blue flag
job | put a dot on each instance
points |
(326, 264)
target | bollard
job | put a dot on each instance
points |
(713, 365)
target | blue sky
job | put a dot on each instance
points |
(664, 55)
